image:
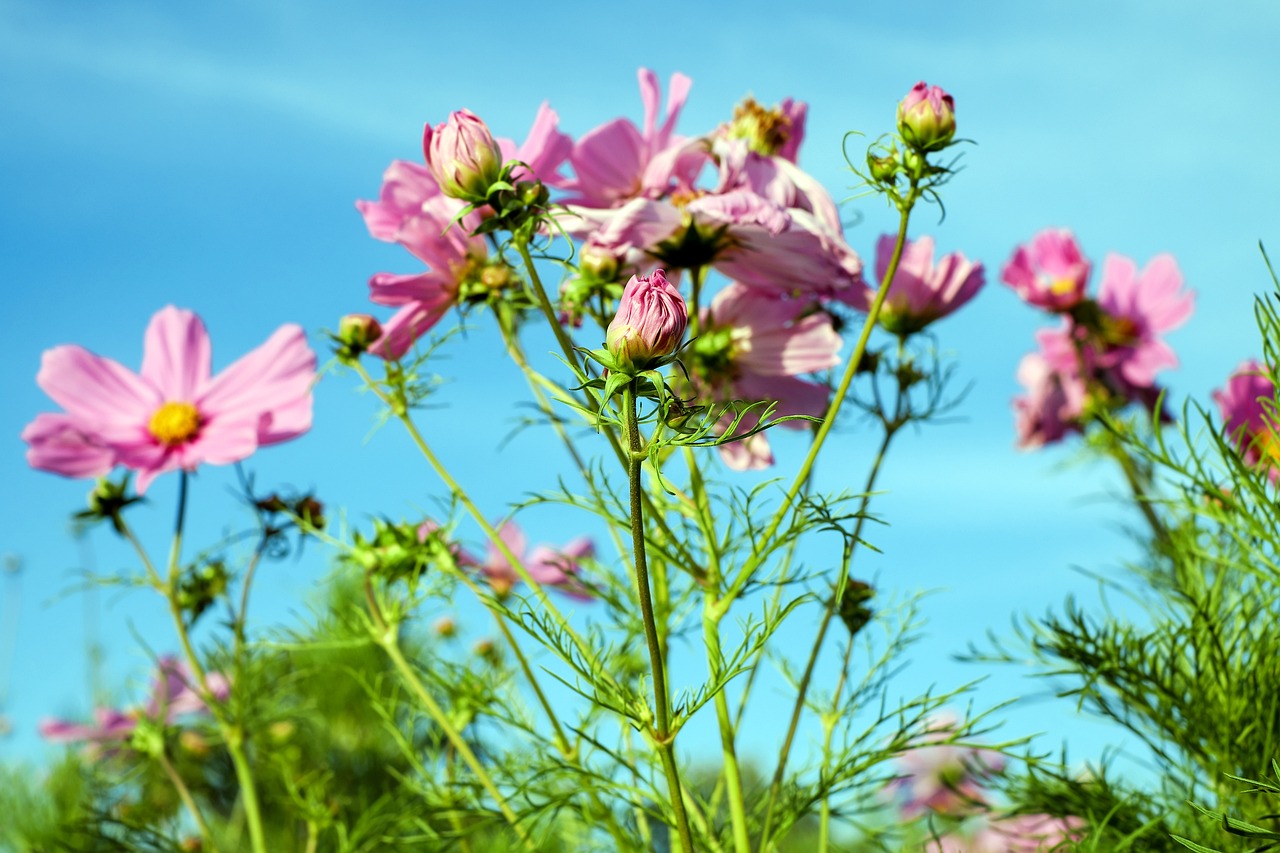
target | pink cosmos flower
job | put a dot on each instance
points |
(452, 256)
(943, 778)
(927, 117)
(1140, 307)
(921, 292)
(172, 697)
(650, 323)
(1247, 405)
(1030, 833)
(557, 567)
(618, 161)
(754, 346)
(1056, 390)
(1050, 272)
(462, 156)
(175, 413)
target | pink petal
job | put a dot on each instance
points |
(408, 324)
(269, 387)
(176, 353)
(59, 445)
(99, 391)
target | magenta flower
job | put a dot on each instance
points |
(1247, 405)
(921, 292)
(172, 696)
(175, 413)
(755, 347)
(1140, 307)
(943, 778)
(618, 161)
(650, 323)
(452, 255)
(556, 567)
(462, 156)
(1050, 272)
(927, 117)
(1030, 833)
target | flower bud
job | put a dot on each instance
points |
(598, 263)
(649, 325)
(445, 627)
(358, 331)
(883, 169)
(462, 156)
(927, 117)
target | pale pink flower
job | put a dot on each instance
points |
(618, 161)
(549, 566)
(1050, 272)
(544, 150)
(451, 254)
(172, 696)
(943, 778)
(175, 413)
(462, 156)
(927, 117)
(650, 323)
(1031, 833)
(1247, 406)
(754, 347)
(1140, 307)
(921, 291)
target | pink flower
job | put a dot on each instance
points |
(462, 156)
(1140, 307)
(1056, 390)
(1031, 833)
(775, 178)
(172, 696)
(174, 414)
(927, 117)
(921, 292)
(650, 323)
(1050, 272)
(1247, 405)
(755, 347)
(943, 778)
(557, 567)
(543, 150)
(617, 161)
(452, 255)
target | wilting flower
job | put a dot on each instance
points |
(650, 323)
(557, 567)
(927, 117)
(1247, 405)
(755, 347)
(943, 778)
(1049, 272)
(1029, 833)
(921, 292)
(462, 156)
(618, 161)
(1139, 307)
(175, 413)
(173, 695)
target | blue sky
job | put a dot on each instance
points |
(209, 156)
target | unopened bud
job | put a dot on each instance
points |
(462, 156)
(927, 117)
(650, 323)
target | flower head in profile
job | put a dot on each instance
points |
(921, 291)
(1050, 272)
(755, 346)
(549, 566)
(650, 323)
(173, 695)
(174, 413)
(1249, 418)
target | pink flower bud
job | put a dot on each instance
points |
(462, 156)
(927, 117)
(650, 323)
(359, 330)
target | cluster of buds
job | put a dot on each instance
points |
(926, 125)
(199, 587)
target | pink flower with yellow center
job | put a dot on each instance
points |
(175, 413)
(1050, 272)
(554, 567)
(1249, 419)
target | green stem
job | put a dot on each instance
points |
(802, 690)
(846, 381)
(184, 794)
(829, 728)
(663, 736)
(385, 636)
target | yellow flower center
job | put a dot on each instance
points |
(174, 423)
(766, 130)
(1268, 445)
(1062, 287)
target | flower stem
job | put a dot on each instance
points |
(663, 737)
(385, 636)
(184, 794)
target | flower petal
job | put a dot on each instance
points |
(176, 353)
